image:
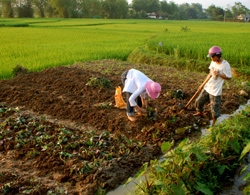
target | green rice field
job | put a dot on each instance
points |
(38, 43)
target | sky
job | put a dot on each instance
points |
(206, 3)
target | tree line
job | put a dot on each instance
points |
(115, 9)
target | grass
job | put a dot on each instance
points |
(40, 48)
(196, 45)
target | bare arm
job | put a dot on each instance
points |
(222, 75)
(144, 104)
(141, 110)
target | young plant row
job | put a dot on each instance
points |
(202, 166)
(35, 138)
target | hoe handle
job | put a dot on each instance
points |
(198, 91)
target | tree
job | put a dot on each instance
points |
(109, 8)
(24, 9)
(173, 9)
(228, 13)
(40, 6)
(7, 8)
(199, 10)
(61, 7)
(142, 14)
(115, 8)
(91, 8)
(138, 5)
(215, 13)
(191, 13)
(152, 6)
(168, 10)
(85, 7)
(96, 8)
(238, 9)
(131, 13)
(50, 11)
(163, 9)
(73, 11)
(122, 9)
(187, 12)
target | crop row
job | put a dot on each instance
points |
(36, 137)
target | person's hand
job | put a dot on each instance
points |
(216, 73)
(200, 87)
(142, 111)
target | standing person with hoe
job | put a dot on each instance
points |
(219, 71)
(137, 85)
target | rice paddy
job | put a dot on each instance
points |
(38, 43)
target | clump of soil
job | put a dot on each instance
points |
(59, 141)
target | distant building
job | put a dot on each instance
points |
(245, 17)
(153, 15)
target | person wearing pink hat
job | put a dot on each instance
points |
(137, 85)
(219, 71)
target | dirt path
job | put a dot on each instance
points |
(61, 95)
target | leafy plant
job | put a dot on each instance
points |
(185, 29)
(6, 188)
(178, 94)
(244, 152)
(19, 70)
(200, 166)
(100, 82)
(104, 105)
(151, 113)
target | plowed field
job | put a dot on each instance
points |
(55, 138)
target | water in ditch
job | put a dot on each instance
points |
(237, 181)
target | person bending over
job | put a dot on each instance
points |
(137, 85)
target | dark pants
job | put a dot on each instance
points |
(215, 102)
(130, 109)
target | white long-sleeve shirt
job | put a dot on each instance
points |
(135, 84)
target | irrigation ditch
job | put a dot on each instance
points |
(237, 183)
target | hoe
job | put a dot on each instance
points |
(198, 91)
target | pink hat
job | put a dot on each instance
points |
(213, 51)
(153, 89)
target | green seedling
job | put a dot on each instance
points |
(99, 82)
(185, 29)
(178, 94)
(19, 70)
(151, 113)
(103, 105)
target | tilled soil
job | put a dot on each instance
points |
(59, 98)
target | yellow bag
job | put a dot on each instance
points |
(119, 102)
